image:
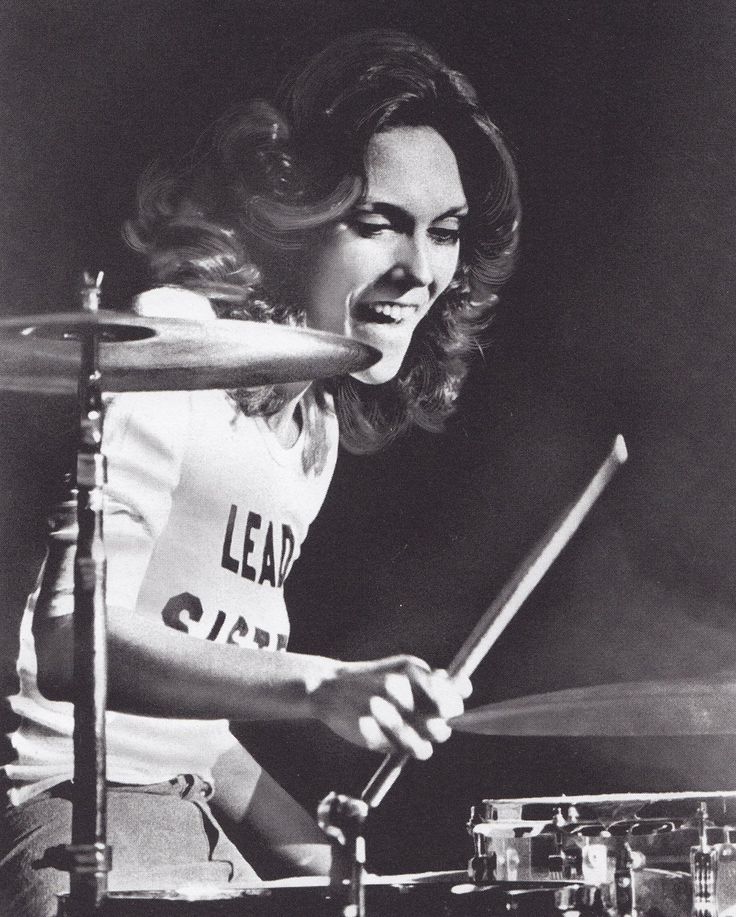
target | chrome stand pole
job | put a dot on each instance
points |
(88, 857)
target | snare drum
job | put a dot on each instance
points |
(669, 855)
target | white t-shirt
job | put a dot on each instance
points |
(205, 514)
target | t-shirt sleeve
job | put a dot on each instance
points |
(144, 440)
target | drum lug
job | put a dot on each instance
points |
(482, 869)
(713, 870)
(594, 869)
(627, 861)
(484, 864)
(567, 862)
(703, 866)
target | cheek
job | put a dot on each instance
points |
(324, 290)
(446, 269)
(342, 276)
(337, 270)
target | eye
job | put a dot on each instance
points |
(368, 226)
(445, 235)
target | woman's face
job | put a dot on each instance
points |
(377, 272)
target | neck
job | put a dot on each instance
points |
(285, 424)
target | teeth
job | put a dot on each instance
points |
(391, 310)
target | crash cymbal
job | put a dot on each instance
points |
(649, 708)
(41, 353)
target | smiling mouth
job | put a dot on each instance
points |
(384, 313)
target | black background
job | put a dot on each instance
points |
(620, 319)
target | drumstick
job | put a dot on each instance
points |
(503, 608)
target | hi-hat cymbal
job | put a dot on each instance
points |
(648, 708)
(41, 353)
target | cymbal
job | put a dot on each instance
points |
(41, 353)
(648, 708)
(411, 878)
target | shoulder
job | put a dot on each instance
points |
(145, 434)
(157, 416)
(173, 302)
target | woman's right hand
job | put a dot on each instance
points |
(397, 704)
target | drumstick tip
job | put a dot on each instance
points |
(619, 449)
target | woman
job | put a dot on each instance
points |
(375, 200)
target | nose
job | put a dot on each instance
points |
(413, 265)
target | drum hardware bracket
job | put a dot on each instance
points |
(342, 819)
(79, 858)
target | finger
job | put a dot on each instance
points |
(437, 729)
(420, 682)
(399, 691)
(446, 696)
(401, 735)
(438, 694)
(463, 685)
(435, 700)
(373, 735)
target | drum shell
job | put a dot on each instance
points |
(662, 885)
(537, 858)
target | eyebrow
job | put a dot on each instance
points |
(391, 211)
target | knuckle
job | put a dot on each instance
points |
(414, 664)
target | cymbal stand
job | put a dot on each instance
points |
(88, 857)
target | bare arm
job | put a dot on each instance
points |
(155, 670)
(394, 703)
(262, 815)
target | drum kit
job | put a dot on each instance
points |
(627, 855)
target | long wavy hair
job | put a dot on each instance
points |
(239, 219)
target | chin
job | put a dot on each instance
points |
(382, 372)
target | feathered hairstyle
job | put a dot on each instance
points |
(238, 222)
